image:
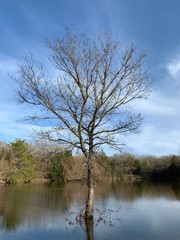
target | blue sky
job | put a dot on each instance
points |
(152, 25)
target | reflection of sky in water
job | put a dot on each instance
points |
(136, 218)
(143, 219)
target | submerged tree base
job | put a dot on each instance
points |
(105, 216)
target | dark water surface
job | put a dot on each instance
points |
(123, 211)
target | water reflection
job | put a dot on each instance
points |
(89, 229)
(123, 210)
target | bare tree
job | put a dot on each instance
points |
(87, 104)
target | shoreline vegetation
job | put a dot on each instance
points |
(44, 162)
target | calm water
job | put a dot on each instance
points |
(123, 211)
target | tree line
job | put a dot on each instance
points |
(22, 162)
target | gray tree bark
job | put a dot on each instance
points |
(90, 195)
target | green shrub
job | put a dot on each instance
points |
(57, 169)
(137, 167)
(22, 162)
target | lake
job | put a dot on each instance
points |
(123, 211)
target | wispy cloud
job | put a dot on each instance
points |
(10, 127)
(173, 67)
(161, 127)
(158, 105)
(7, 64)
(152, 141)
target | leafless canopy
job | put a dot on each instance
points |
(86, 104)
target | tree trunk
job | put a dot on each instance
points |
(89, 229)
(90, 197)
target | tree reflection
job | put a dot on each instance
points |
(89, 229)
(31, 203)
